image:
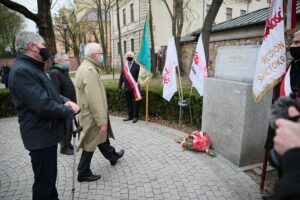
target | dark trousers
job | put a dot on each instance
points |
(269, 144)
(66, 143)
(133, 107)
(107, 151)
(5, 81)
(44, 165)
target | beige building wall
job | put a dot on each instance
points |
(162, 25)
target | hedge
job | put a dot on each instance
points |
(6, 105)
(158, 107)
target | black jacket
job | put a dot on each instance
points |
(295, 85)
(135, 69)
(63, 83)
(288, 186)
(41, 110)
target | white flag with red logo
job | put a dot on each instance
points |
(199, 69)
(271, 63)
(169, 73)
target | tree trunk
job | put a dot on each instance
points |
(119, 30)
(153, 64)
(43, 20)
(208, 23)
(102, 33)
(178, 25)
(46, 27)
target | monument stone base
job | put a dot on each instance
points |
(236, 124)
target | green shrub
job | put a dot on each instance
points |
(158, 106)
(6, 105)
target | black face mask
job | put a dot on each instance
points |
(130, 59)
(44, 53)
(295, 52)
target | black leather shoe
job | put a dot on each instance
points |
(71, 147)
(134, 120)
(67, 152)
(127, 119)
(120, 155)
(267, 197)
(88, 178)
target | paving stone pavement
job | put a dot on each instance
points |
(153, 167)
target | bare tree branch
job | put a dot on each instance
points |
(21, 9)
(168, 7)
(53, 4)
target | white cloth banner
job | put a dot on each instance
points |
(199, 69)
(169, 73)
(271, 63)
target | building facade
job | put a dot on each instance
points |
(132, 15)
(244, 30)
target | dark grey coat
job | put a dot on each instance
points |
(41, 110)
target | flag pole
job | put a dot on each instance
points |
(180, 86)
(191, 90)
(147, 100)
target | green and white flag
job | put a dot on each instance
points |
(144, 56)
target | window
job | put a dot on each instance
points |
(132, 45)
(119, 48)
(124, 44)
(243, 12)
(207, 8)
(132, 12)
(124, 16)
(228, 13)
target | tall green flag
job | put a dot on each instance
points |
(144, 56)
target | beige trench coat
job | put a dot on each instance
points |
(91, 98)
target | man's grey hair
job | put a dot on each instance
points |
(24, 38)
(59, 57)
(297, 33)
(92, 48)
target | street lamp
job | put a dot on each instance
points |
(65, 26)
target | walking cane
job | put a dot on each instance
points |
(76, 130)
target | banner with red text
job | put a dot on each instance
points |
(169, 72)
(199, 69)
(271, 63)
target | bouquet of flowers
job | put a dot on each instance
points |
(197, 141)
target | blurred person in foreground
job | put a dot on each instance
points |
(42, 112)
(91, 97)
(287, 145)
(289, 83)
(284, 87)
(59, 74)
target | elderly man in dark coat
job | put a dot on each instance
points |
(42, 112)
(60, 77)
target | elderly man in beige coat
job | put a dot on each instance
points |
(91, 98)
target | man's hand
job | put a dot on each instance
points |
(103, 128)
(120, 90)
(287, 133)
(72, 105)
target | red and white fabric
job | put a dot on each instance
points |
(133, 84)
